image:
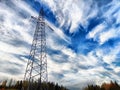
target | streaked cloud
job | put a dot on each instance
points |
(83, 48)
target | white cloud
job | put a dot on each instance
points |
(100, 34)
(94, 33)
(108, 55)
(107, 29)
(71, 10)
(17, 29)
(13, 21)
(115, 5)
(69, 52)
(105, 36)
(56, 31)
(117, 69)
(92, 64)
(79, 68)
(14, 32)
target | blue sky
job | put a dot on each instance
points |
(84, 47)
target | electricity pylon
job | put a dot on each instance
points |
(36, 69)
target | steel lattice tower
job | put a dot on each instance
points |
(37, 63)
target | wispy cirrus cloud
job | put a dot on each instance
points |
(84, 47)
(68, 11)
(16, 32)
(15, 36)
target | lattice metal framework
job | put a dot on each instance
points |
(37, 64)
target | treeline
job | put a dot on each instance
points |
(104, 86)
(23, 85)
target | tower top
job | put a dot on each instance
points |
(41, 12)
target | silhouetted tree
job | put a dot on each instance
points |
(104, 86)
